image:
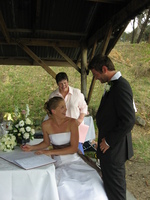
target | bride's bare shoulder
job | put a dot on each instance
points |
(47, 122)
(72, 120)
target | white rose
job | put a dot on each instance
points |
(22, 130)
(26, 136)
(21, 123)
(13, 138)
(28, 121)
(107, 88)
(28, 128)
(32, 131)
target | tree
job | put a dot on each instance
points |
(133, 32)
(146, 18)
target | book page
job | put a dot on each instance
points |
(35, 161)
(26, 160)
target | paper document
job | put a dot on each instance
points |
(35, 161)
(26, 160)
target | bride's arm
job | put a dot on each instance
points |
(73, 148)
(42, 145)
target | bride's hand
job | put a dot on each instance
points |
(26, 147)
(46, 152)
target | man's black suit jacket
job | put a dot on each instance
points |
(115, 119)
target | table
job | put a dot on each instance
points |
(88, 120)
(34, 184)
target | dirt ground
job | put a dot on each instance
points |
(138, 179)
(138, 172)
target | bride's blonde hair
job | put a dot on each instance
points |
(52, 104)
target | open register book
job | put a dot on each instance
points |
(26, 160)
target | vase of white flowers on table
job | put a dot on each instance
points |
(22, 126)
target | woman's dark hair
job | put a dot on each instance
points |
(61, 76)
(52, 104)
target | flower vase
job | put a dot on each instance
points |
(21, 141)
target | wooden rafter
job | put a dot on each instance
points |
(93, 79)
(118, 19)
(113, 42)
(42, 42)
(62, 33)
(108, 1)
(67, 58)
(30, 61)
(4, 28)
(106, 40)
(37, 59)
(104, 48)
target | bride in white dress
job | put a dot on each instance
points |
(76, 180)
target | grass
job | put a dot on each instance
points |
(21, 85)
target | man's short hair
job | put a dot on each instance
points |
(99, 61)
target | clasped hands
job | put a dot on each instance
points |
(104, 146)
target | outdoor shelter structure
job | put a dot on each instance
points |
(63, 32)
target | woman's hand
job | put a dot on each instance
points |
(46, 152)
(26, 147)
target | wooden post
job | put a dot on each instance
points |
(83, 71)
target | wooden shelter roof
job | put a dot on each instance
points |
(57, 32)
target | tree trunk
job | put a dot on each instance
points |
(143, 27)
(149, 39)
(132, 39)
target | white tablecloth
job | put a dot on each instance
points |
(91, 131)
(34, 184)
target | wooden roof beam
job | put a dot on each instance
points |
(42, 42)
(123, 15)
(104, 48)
(54, 33)
(37, 59)
(29, 61)
(4, 28)
(108, 1)
(115, 39)
(66, 58)
(93, 79)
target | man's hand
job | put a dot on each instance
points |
(103, 146)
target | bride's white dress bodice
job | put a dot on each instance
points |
(76, 180)
(63, 139)
(60, 138)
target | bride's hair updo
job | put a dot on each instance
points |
(52, 104)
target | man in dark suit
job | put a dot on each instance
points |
(115, 119)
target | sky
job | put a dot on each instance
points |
(129, 27)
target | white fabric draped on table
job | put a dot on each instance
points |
(34, 184)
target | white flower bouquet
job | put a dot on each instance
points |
(7, 142)
(22, 126)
